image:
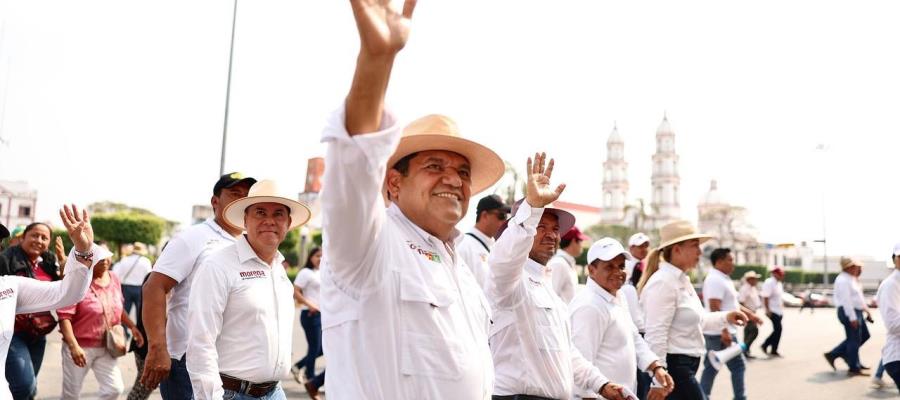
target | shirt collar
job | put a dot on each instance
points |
(566, 256)
(535, 270)
(455, 237)
(489, 241)
(594, 288)
(669, 268)
(721, 274)
(246, 253)
(211, 222)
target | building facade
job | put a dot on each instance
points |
(18, 202)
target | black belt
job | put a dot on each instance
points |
(519, 397)
(246, 387)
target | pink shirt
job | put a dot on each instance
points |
(87, 315)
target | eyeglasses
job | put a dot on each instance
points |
(500, 215)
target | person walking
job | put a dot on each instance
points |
(307, 286)
(851, 305)
(85, 327)
(241, 318)
(131, 270)
(749, 299)
(675, 317)
(772, 292)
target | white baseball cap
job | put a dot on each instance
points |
(606, 249)
(638, 239)
(897, 249)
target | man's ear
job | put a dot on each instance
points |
(214, 202)
(392, 182)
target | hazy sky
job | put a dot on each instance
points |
(123, 101)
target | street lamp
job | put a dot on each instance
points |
(823, 148)
(228, 91)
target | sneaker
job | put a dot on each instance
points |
(878, 383)
(298, 376)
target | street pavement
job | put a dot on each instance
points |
(801, 374)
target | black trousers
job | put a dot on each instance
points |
(683, 370)
(750, 333)
(775, 337)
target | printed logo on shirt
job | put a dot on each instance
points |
(430, 255)
(258, 274)
(484, 258)
(7, 293)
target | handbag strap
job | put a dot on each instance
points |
(136, 261)
(102, 305)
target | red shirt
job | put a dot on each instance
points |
(38, 272)
(87, 316)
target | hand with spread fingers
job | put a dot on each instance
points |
(78, 224)
(538, 192)
(383, 30)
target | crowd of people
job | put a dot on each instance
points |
(402, 304)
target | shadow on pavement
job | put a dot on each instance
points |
(828, 376)
(882, 394)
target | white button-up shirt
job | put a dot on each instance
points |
(719, 286)
(182, 255)
(848, 295)
(749, 296)
(240, 321)
(772, 290)
(402, 316)
(475, 251)
(21, 295)
(675, 316)
(310, 282)
(603, 332)
(131, 270)
(531, 339)
(565, 278)
(629, 292)
(889, 306)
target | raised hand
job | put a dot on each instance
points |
(79, 226)
(538, 192)
(383, 30)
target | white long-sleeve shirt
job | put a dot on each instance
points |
(402, 316)
(772, 291)
(675, 316)
(889, 306)
(531, 339)
(848, 295)
(21, 295)
(474, 248)
(564, 276)
(629, 292)
(603, 332)
(240, 321)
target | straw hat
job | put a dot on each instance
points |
(751, 275)
(265, 191)
(437, 132)
(679, 231)
(565, 219)
(140, 248)
(847, 262)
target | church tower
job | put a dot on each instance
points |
(665, 178)
(615, 180)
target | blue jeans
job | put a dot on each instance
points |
(312, 326)
(683, 370)
(643, 384)
(178, 385)
(23, 362)
(735, 365)
(849, 348)
(275, 394)
(132, 296)
(879, 372)
(893, 370)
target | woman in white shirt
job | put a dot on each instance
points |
(306, 292)
(674, 315)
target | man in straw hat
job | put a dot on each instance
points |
(851, 305)
(402, 315)
(772, 295)
(165, 294)
(531, 340)
(132, 270)
(602, 328)
(674, 315)
(749, 298)
(242, 303)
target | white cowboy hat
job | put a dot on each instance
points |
(265, 191)
(437, 132)
(679, 231)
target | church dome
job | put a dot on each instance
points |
(713, 197)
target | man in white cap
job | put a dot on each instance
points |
(241, 318)
(749, 298)
(562, 265)
(475, 246)
(771, 293)
(531, 341)
(888, 299)
(602, 328)
(638, 248)
(851, 305)
(165, 295)
(402, 316)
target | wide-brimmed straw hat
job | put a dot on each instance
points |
(565, 219)
(679, 231)
(265, 191)
(140, 248)
(437, 132)
(751, 275)
(847, 262)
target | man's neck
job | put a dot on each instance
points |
(483, 230)
(573, 251)
(265, 253)
(234, 232)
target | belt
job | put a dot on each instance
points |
(245, 387)
(519, 397)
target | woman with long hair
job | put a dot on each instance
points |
(674, 315)
(306, 291)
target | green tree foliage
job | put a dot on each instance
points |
(618, 232)
(128, 227)
(289, 247)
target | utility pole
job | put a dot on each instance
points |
(228, 90)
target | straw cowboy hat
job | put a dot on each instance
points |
(751, 275)
(437, 132)
(140, 248)
(265, 191)
(679, 231)
(565, 219)
(847, 262)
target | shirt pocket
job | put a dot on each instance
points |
(429, 346)
(548, 333)
(427, 355)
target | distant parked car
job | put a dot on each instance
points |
(791, 300)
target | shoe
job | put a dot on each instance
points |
(851, 373)
(299, 377)
(878, 383)
(749, 356)
(830, 358)
(764, 349)
(311, 390)
(775, 354)
(864, 367)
